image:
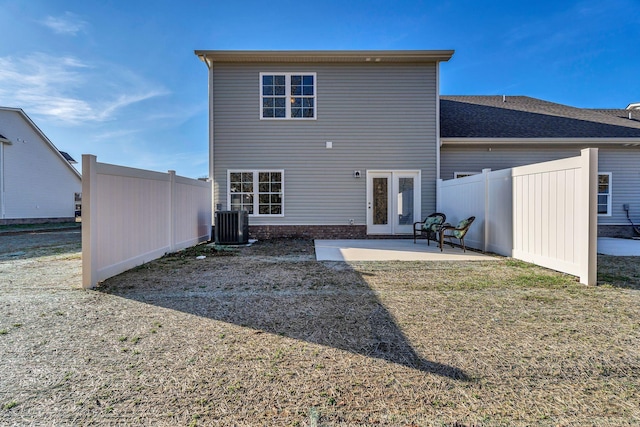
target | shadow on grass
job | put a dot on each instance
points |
(619, 271)
(39, 243)
(324, 303)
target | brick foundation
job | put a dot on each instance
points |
(621, 231)
(266, 232)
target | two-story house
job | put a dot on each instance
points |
(325, 143)
(350, 143)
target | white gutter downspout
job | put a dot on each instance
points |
(209, 64)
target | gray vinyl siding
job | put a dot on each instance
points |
(378, 116)
(622, 162)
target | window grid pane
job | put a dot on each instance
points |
(270, 198)
(273, 100)
(241, 191)
(604, 194)
(302, 105)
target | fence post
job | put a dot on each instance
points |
(89, 222)
(589, 209)
(172, 210)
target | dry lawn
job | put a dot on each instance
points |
(265, 335)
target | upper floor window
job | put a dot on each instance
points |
(288, 95)
(604, 193)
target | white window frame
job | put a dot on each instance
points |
(457, 175)
(608, 193)
(256, 192)
(288, 96)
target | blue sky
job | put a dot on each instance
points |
(119, 79)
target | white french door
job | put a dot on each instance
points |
(393, 201)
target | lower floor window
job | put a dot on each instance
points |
(604, 193)
(258, 192)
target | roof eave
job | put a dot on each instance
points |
(324, 56)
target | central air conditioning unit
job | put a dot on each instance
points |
(231, 228)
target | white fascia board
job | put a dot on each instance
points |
(539, 141)
(315, 56)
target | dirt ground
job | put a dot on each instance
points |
(265, 335)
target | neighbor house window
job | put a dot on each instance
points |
(288, 95)
(604, 194)
(257, 192)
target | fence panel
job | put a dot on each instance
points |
(544, 213)
(555, 214)
(461, 198)
(132, 216)
(499, 221)
(192, 200)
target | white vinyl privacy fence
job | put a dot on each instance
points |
(544, 213)
(132, 216)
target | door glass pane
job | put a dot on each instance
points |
(405, 201)
(380, 201)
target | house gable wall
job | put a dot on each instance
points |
(38, 183)
(377, 116)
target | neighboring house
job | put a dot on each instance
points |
(500, 132)
(37, 182)
(324, 143)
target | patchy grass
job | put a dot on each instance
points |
(269, 336)
(38, 227)
(622, 272)
(9, 405)
(206, 249)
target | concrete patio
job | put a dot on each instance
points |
(618, 247)
(406, 250)
(392, 250)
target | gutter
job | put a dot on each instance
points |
(455, 141)
(209, 63)
(326, 56)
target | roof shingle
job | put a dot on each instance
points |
(525, 117)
